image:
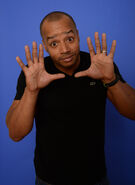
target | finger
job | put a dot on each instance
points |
(104, 44)
(21, 64)
(28, 55)
(57, 76)
(34, 52)
(81, 73)
(112, 51)
(97, 43)
(90, 46)
(41, 53)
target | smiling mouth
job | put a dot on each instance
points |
(68, 59)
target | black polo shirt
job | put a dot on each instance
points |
(70, 116)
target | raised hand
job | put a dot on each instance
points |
(36, 75)
(101, 64)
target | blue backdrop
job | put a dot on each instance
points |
(19, 25)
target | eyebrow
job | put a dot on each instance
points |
(66, 32)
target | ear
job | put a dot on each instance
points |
(78, 35)
(44, 44)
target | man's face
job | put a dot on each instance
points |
(61, 41)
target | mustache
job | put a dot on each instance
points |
(67, 55)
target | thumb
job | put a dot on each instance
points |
(57, 76)
(81, 73)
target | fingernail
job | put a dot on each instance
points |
(26, 46)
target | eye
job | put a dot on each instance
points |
(70, 39)
(53, 44)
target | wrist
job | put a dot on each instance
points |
(31, 93)
(112, 82)
(109, 80)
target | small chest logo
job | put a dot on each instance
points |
(92, 83)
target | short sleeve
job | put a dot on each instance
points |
(21, 84)
(116, 70)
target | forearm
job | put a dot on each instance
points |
(123, 97)
(20, 117)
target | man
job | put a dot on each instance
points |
(67, 95)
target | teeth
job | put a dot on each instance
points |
(68, 59)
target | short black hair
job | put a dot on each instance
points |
(54, 16)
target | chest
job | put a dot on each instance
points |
(71, 94)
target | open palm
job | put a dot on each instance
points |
(36, 75)
(101, 64)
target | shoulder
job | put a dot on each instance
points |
(84, 55)
(48, 63)
(85, 60)
(47, 60)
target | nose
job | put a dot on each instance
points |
(64, 48)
